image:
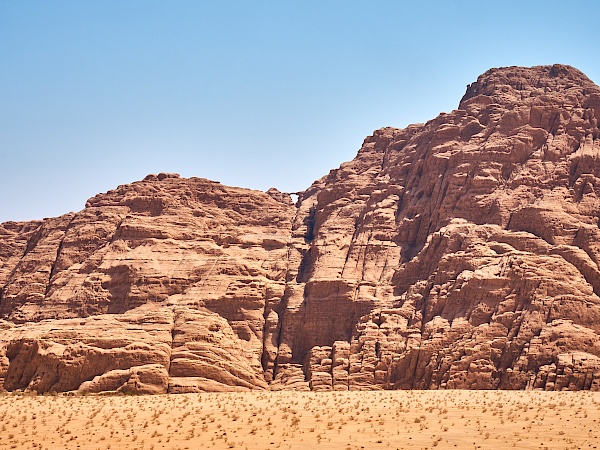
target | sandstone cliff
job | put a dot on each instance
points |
(460, 253)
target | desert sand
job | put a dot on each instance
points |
(303, 420)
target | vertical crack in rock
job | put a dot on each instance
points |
(31, 243)
(305, 266)
(58, 254)
(309, 221)
(33, 240)
(173, 316)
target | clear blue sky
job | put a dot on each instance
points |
(97, 93)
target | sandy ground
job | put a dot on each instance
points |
(292, 420)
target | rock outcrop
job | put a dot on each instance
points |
(460, 253)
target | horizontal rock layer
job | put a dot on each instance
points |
(460, 253)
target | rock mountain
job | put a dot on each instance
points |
(460, 253)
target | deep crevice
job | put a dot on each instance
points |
(58, 253)
(309, 221)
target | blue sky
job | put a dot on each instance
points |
(257, 94)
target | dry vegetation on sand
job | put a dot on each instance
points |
(294, 420)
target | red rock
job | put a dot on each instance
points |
(460, 253)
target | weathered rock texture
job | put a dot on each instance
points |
(460, 253)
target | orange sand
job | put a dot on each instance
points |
(293, 420)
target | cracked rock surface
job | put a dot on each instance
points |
(460, 253)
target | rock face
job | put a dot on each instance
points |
(163, 285)
(460, 253)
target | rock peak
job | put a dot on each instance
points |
(506, 85)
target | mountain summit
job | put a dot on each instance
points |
(462, 253)
(533, 85)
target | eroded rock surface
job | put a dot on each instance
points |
(460, 253)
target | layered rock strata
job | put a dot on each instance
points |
(460, 253)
